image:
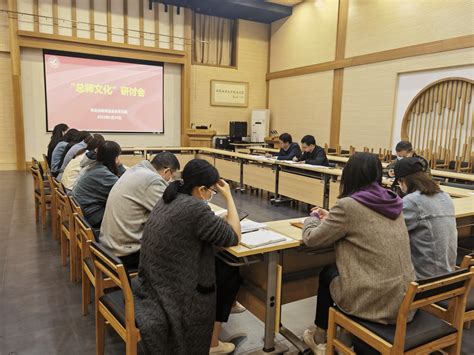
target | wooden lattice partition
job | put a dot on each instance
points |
(439, 122)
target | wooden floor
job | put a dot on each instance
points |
(40, 309)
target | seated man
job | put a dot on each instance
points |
(288, 149)
(130, 202)
(313, 154)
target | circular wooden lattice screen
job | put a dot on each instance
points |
(439, 120)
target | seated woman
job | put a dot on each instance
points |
(93, 187)
(176, 301)
(373, 264)
(72, 171)
(430, 220)
(58, 132)
(71, 136)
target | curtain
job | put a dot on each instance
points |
(213, 40)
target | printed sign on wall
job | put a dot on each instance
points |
(229, 93)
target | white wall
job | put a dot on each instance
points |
(34, 110)
(410, 84)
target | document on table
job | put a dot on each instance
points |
(263, 158)
(221, 213)
(262, 237)
(247, 225)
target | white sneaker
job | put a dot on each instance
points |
(222, 348)
(308, 338)
(238, 308)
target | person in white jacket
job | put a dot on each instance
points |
(73, 169)
(130, 202)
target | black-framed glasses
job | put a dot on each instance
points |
(212, 190)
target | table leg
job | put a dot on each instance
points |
(327, 189)
(242, 188)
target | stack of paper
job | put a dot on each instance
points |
(221, 213)
(261, 237)
(248, 225)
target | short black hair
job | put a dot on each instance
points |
(286, 138)
(308, 140)
(164, 160)
(404, 146)
(361, 170)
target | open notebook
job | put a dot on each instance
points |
(261, 237)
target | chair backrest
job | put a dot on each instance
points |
(36, 163)
(467, 262)
(65, 207)
(108, 265)
(46, 165)
(38, 181)
(86, 235)
(75, 206)
(453, 286)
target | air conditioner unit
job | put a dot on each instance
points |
(260, 125)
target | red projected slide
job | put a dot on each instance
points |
(103, 95)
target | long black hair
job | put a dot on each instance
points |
(107, 154)
(197, 172)
(58, 133)
(361, 170)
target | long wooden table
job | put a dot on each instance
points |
(284, 272)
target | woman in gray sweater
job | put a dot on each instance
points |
(430, 220)
(175, 291)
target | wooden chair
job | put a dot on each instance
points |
(55, 210)
(46, 165)
(441, 309)
(84, 231)
(42, 195)
(66, 232)
(115, 307)
(426, 333)
(77, 210)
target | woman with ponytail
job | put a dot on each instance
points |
(179, 304)
(93, 187)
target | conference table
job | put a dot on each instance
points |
(284, 272)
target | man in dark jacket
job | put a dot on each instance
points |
(404, 149)
(288, 149)
(313, 154)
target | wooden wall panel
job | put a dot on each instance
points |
(45, 8)
(25, 21)
(380, 25)
(133, 22)
(178, 30)
(117, 20)
(148, 25)
(252, 66)
(164, 18)
(306, 37)
(369, 96)
(302, 105)
(4, 33)
(64, 14)
(83, 17)
(7, 123)
(100, 20)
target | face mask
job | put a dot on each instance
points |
(210, 198)
(399, 158)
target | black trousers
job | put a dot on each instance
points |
(228, 282)
(324, 300)
(131, 261)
